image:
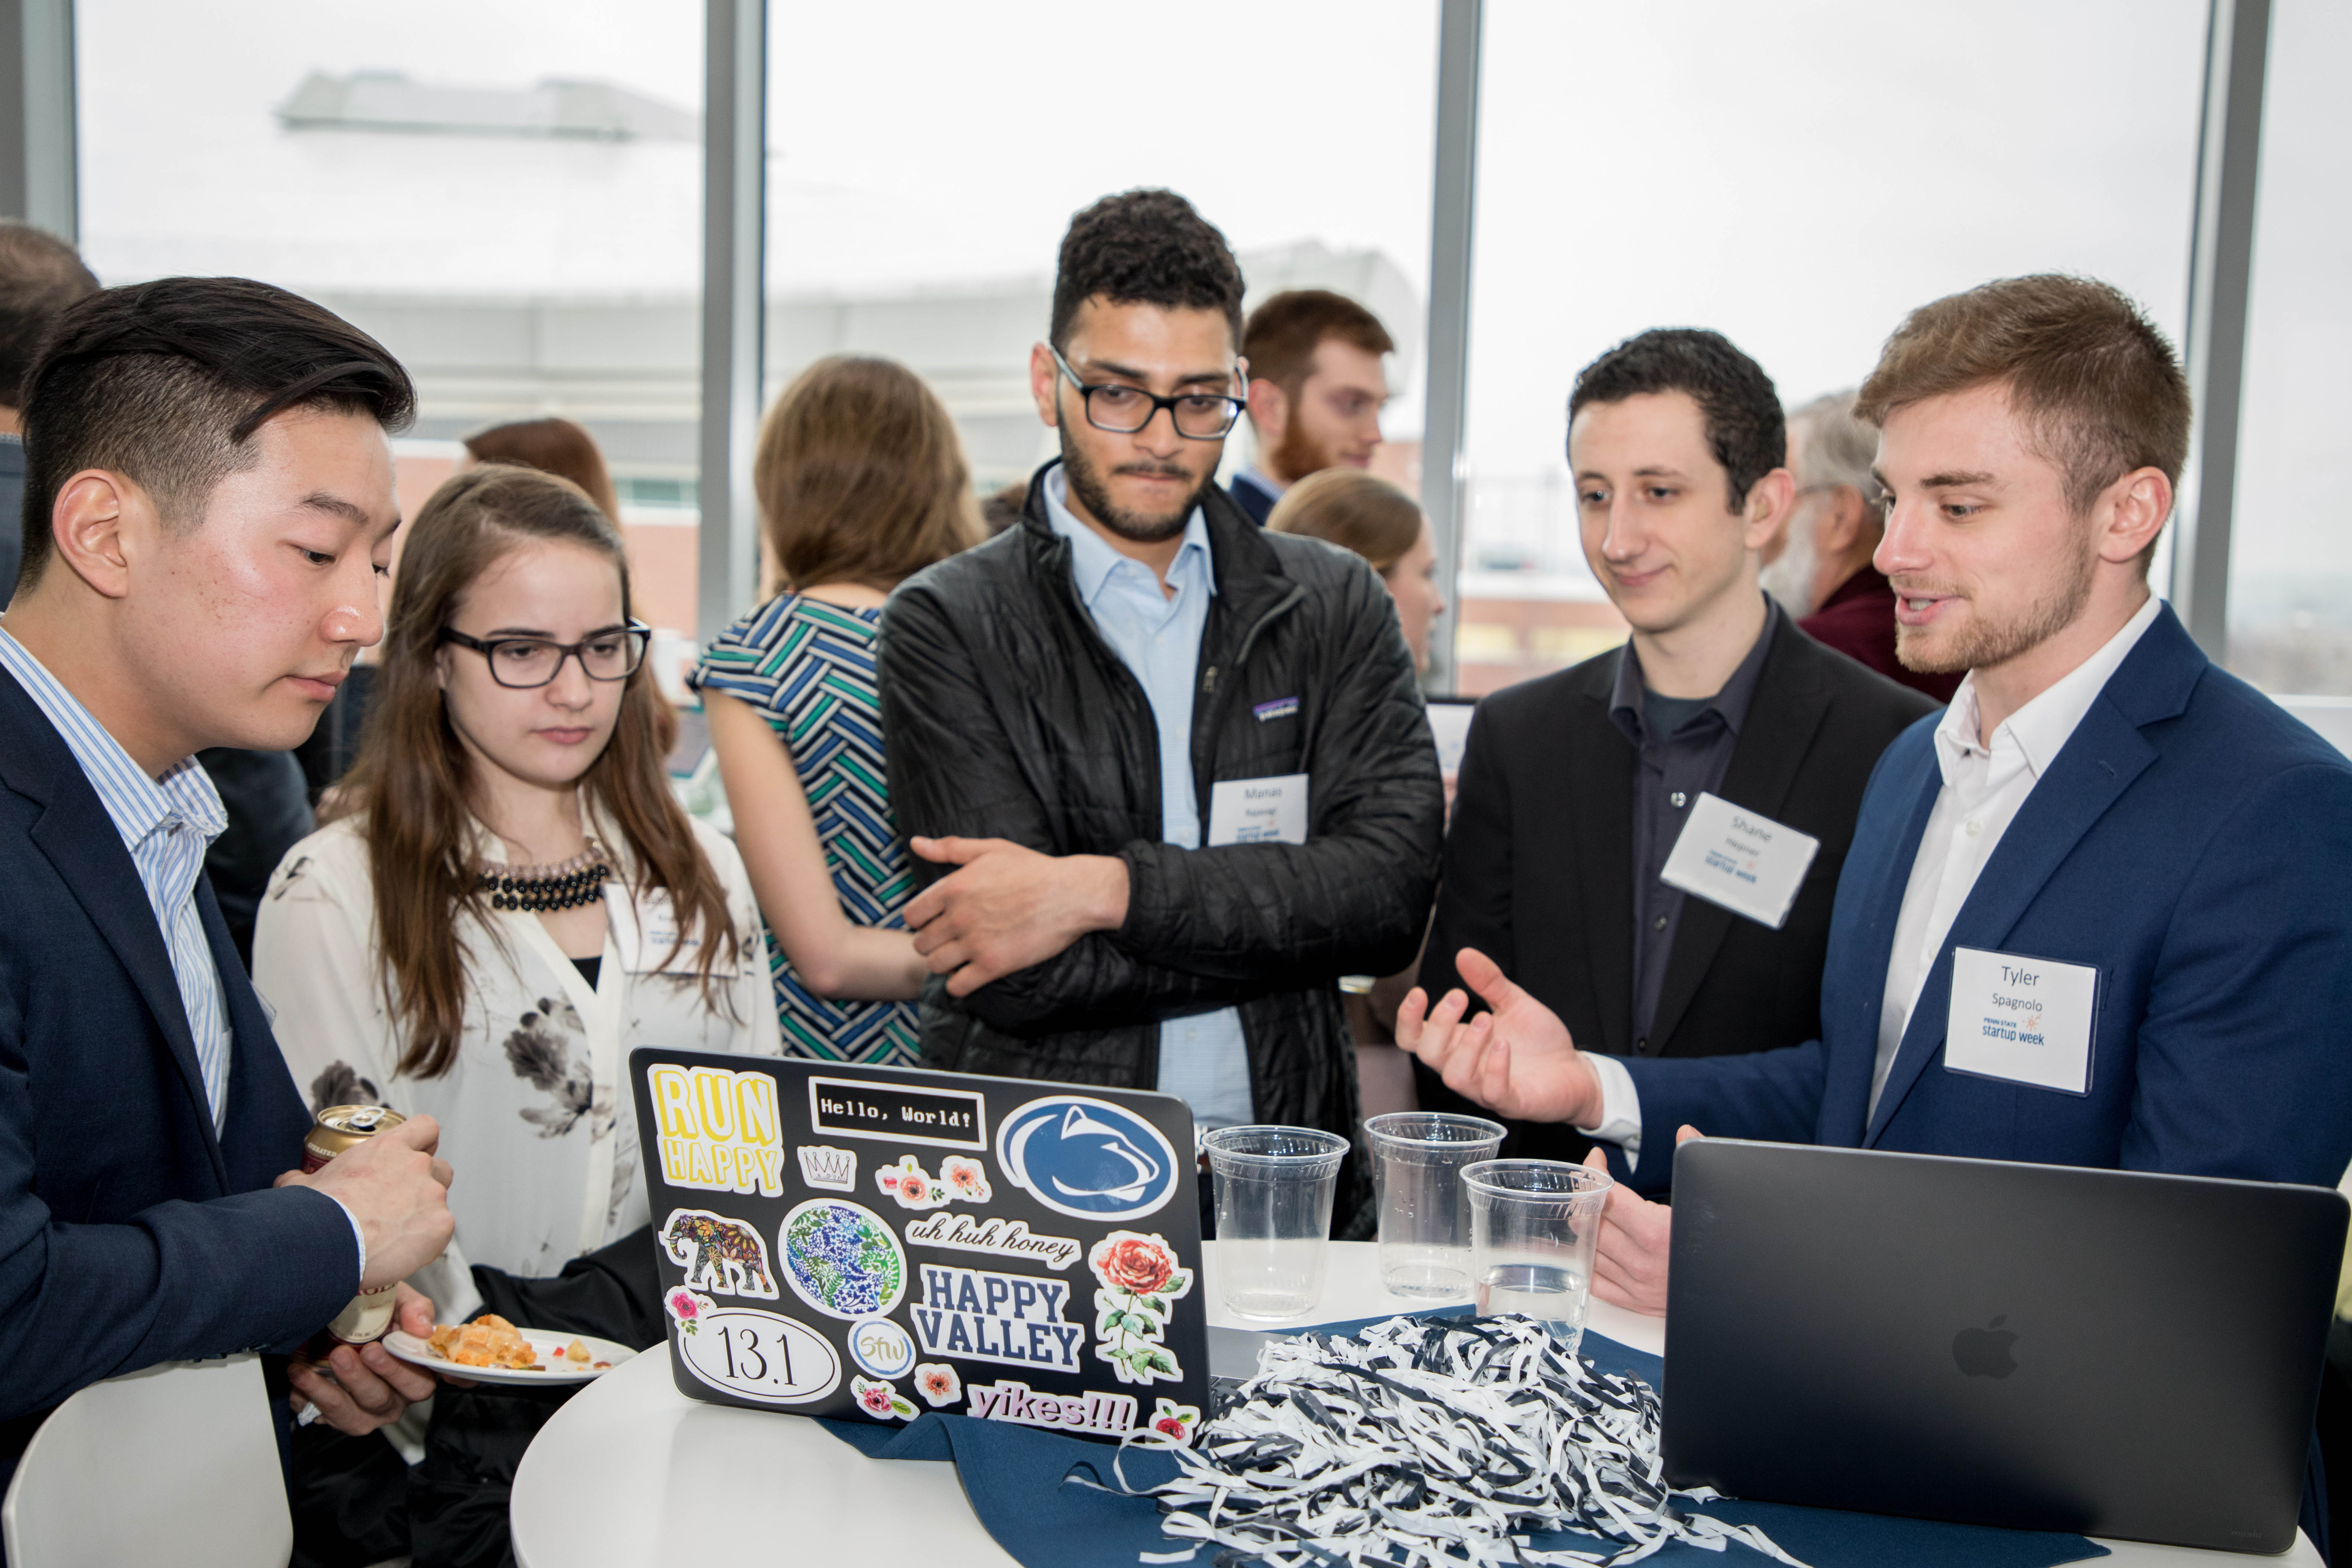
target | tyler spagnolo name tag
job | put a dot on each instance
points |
(1739, 859)
(2022, 1020)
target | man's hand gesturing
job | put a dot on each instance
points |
(398, 1191)
(1007, 907)
(1517, 1058)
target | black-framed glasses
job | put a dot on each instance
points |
(523, 663)
(1124, 410)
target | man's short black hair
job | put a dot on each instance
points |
(1145, 248)
(165, 383)
(1745, 427)
(40, 274)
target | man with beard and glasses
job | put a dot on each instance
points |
(1316, 387)
(1822, 572)
(1167, 775)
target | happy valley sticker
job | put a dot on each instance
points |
(1008, 1318)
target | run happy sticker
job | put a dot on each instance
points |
(982, 1316)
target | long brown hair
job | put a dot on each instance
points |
(861, 476)
(552, 446)
(413, 776)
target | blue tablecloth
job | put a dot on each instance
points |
(1014, 1477)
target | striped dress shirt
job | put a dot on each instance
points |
(167, 824)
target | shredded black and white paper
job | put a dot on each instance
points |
(1429, 1444)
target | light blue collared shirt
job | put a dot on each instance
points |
(1204, 1059)
(167, 824)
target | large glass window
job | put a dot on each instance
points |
(508, 196)
(921, 221)
(2291, 547)
(1797, 178)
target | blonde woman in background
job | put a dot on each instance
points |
(862, 482)
(1365, 513)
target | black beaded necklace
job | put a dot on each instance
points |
(566, 885)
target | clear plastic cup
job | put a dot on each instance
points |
(1534, 1225)
(1418, 1157)
(1273, 1187)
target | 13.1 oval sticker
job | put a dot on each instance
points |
(760, 1355)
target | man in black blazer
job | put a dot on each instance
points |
(1576, 787)
(212, 503)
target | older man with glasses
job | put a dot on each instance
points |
(1167, 775)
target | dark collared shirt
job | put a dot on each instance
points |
(1677, 754)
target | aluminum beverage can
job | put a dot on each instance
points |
(336, 1129)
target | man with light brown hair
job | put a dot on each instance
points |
(2100, 807)
(1316, 390)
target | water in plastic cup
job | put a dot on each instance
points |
(1418, 1157)
(1273, 1187)
(1534, 1225)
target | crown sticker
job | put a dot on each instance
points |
(823, 1165)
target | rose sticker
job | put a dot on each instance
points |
(1139, 1276)
(688, 1307)
(881, 1399)
(938, 1383)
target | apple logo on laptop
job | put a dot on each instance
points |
(1984, 1352)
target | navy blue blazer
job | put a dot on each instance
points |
(129, 1234)
(2194, 843)
(1253, 497)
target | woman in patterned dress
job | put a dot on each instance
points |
(861, 482)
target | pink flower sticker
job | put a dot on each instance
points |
(938, 1383)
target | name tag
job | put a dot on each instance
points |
(1258, 811)
(2022, 1020)
(1739, 859)
(658, 931)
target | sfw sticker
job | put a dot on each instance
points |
(1008, 1317)
(1140, 1278)
(881, 1347)
(1088, 1158)
(718, 1254)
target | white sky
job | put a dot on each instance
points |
(1796, 174)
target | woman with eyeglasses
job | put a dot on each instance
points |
(513, 899)
(510, 901)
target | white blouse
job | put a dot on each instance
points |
(536, 1118)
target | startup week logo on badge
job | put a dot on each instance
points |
(1087, 1158)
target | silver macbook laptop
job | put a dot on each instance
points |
(2041, 1347)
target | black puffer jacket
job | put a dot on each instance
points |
(1008, 716)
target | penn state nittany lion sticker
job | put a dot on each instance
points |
(1088, 1158)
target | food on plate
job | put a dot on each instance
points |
(488, 1340)
(576, 1352)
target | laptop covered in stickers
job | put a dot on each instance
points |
(872, 1243)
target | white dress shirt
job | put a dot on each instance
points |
(1986, 783)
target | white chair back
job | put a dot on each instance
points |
(177, 1465)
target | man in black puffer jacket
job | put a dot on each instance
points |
(1171, 773)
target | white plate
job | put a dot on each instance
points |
(549, 1346)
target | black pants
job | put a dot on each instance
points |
(356, 1501)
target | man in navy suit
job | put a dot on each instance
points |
(2105, 849)
(209, 505)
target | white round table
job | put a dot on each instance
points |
(633, 1473)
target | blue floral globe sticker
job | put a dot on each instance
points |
(1088, 1158)
(882, 1347)
(841, 1259)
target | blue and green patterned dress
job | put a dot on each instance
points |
(808, 667)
